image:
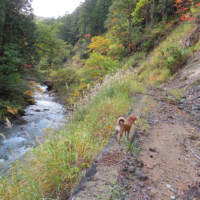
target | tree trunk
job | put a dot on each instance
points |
(130, 19)
(147, 14)
(164, 9)
(152, 19)
(86, 28)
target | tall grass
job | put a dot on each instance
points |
(57, 164)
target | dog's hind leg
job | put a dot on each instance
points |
(121, 134)
(128, 135)
(116, 134)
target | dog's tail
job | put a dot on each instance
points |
(121, 119)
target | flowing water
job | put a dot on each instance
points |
(20, 138)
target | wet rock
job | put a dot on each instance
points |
(37, 110)
(124, 169)
(141, 176)
(131, 169)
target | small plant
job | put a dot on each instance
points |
(177, 93)
(131, 147)
(147, 45)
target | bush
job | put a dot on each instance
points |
(173, 58)
(100, 62)
(147, 45)
(64, 80)
(133, 60)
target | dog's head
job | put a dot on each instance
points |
(133, 118)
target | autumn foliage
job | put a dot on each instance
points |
(99, 44)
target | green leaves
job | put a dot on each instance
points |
(50, 48)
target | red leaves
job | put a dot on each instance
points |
(183, 18)
(182, 5)
(88, 35)
(196, 5)
(28, 66)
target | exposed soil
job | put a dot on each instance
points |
(173, 167)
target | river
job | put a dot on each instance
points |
(21, 138)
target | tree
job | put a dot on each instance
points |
(120, 18)
(51, 49)
(99, 44)
(17, 41)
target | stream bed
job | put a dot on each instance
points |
(20, 138)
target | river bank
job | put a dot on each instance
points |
(29, 130)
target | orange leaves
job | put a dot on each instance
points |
(196, 5)
(88, 35)
(114, 19)
(11, 110)
(32, 99)
(98, 44)
(35, 87)
(120, 46)
(29, 93)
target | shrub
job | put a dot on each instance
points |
(100, 62)
(133, 60)
(147, 45)
(173, 58)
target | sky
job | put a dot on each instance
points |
(54, 8)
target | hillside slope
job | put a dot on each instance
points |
(167, 167)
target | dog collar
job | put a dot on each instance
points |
(132, 118)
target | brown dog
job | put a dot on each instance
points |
(124, 126)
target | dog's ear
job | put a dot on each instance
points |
(134, 117)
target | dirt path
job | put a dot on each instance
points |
(172, 167)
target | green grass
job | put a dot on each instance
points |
(177, 93)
